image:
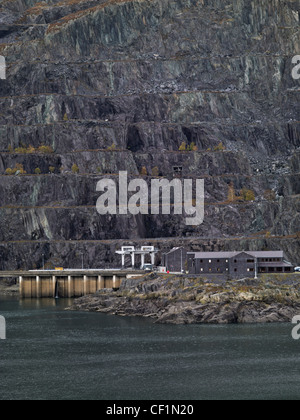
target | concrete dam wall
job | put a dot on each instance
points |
(64, 284)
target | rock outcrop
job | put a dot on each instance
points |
(120, 85)
(192, 300)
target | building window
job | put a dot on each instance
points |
(209, 261)
(235, 261)
(250, 261)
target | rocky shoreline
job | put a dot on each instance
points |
(9, 288)
(191, 300)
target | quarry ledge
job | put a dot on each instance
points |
(183, 299)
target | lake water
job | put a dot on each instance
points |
(54, 354)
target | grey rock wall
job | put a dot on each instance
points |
(146, 76)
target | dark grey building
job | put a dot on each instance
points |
(175, 260)
(238, 264)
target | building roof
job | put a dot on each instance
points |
(266, 254)
(228, 255)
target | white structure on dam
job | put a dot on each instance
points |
(143, 251)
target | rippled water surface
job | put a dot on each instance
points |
(54, 354)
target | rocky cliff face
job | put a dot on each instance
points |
(145, 76)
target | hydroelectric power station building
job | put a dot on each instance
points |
(238, 264)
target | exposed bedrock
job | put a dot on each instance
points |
(119, 85)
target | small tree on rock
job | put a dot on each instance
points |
(144, 171)
(75, 169)
(182, 147)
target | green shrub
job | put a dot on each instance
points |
(75, 169)
(247, 195)
(112, 147)
(182, 147)
(219, 148)
(231, 193)
(192, 147)
(21, 150)
(19, 168)
(155, 171)
(144, 171)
